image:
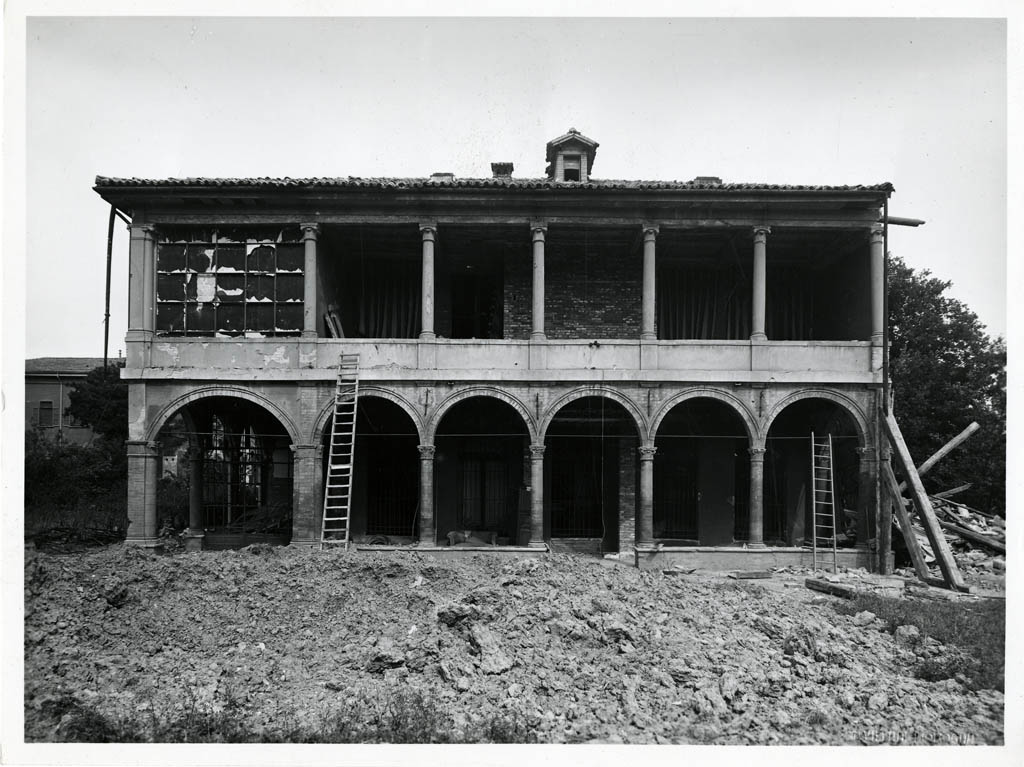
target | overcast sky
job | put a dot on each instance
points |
(919, 103)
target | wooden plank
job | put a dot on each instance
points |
(828, 587)
(893, 497)
(924, 506)
(970, 535)
(950, 493)
(750, 574)
(943, 451)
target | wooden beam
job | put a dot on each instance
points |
(906, 527)
(828, 587)
(943, 451)
(950, 493)
(973, 537)
(924, 506)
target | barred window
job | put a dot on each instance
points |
(232, 281)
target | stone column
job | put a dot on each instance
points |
(755, 538)
(307, 494)
(876, 238)
(647, 309)
(310, 311)
(194, 539)
(646, 526)
(429, 234)
(141, 278)
(142, 477)
(537, 496)
(757, 319)
(539, 231)
(428, 536)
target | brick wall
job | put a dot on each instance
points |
(627, 494)
(591, 291)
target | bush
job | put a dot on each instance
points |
(978, 629)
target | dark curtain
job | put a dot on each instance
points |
(701, 303)
(389, 300)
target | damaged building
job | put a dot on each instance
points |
(563, 362)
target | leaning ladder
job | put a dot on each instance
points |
(341, 454)
(823, 511)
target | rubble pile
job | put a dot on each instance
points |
(579, 648)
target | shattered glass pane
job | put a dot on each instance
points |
(200, 318)
(170, 287)
(170, 258)
(289, 287)
(289, 317)
(261, 259)
(290, 257)
(259, 287)
(170, 317)
(231, 287)
(230, 258)
(231, 318)
(200, 258)
(259, 317)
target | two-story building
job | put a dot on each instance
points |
(49, 382)
(565, 361)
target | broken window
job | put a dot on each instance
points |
(230, 282)
(571, 167)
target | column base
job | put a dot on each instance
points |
(877, 339)
(649, 336)
(538, 335)
(758, 337)
(428, 541)
(537, 545)
(427, 335)
(756, 546)
(147, 543)
(194, 541)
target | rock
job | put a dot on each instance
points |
(863, 618)
(452, 615)
(847, 699)
(385, 655)
(493, 659)
(878, 701)
(515, 690)
(728, 685)
(462, 684)
(907, 634)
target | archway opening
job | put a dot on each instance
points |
(701, 475)
(384, 507)
(788, 470)
(226, 471)
(591, 474)
(479, 469)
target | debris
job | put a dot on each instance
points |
(863, 618)
(751, 574)
(493, 659)
(828, 587)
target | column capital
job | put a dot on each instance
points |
(536, 452)
(876, 234)
(147, 230)
(539, 229)
(647, 452)
(302, 448)
(426, 452)
(309, 230)
(650, 230)
(756, 453)
(761, 233)
(428, 230)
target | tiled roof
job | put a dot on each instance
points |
(352, 182)
(63, 365)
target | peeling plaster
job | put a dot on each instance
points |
(280, 357)
(171, 350)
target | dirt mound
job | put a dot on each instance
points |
(579, 649)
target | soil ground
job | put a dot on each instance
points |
(568, 648)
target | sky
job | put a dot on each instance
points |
(918, 103)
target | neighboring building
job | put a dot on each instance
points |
(48, 385)
(589, 364)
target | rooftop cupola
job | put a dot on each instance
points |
(571, 157)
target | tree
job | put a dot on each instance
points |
(946, 372)
(100, 401)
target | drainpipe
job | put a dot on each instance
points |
(885, 308)
(106, 306)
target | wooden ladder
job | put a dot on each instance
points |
(823, 504)
(341, 455)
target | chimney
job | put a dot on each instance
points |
(442, 176)
(707, 181)
(501, 169)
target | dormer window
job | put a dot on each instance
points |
(571, 170)
(571, 157)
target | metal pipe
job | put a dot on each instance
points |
(885, 307)
(106, 306)
(123, 217)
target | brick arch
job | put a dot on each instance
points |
(850, 406)
(206, 392)
(479, 391)
(737, 405)
(367, 391)
(595, 391)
